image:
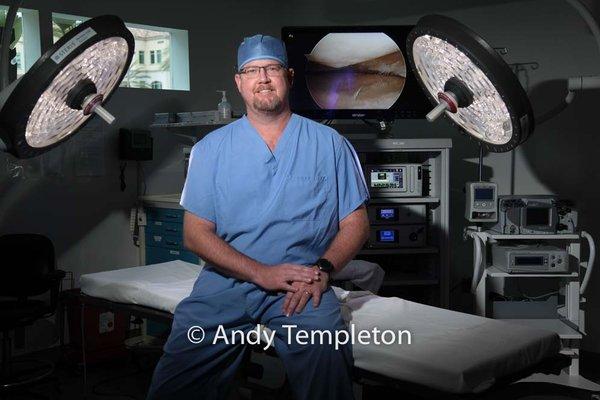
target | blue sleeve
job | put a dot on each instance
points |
(351, 186)
(198, 192)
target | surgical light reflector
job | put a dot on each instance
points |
(65, 87)
(468, 81)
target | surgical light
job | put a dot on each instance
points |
(468, 81)
(65, 87)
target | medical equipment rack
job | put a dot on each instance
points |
(429, 265)
(569, 323)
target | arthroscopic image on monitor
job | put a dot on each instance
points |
(355, 70)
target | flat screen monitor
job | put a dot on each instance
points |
(538, 216)
(356, 72)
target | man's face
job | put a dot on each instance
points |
(268, 90)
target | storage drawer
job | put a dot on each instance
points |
(155, 255)
(164, 214)
(165, 228)
(166, 241)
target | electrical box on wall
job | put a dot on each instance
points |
(135, 144)
(106, 322)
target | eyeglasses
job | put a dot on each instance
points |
(270, 70)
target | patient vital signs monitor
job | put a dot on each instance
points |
(482, 202)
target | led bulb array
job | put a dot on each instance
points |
(466, 79)
(487, 117)
(65, 87)
(52, 119)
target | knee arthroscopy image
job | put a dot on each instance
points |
(355, 70)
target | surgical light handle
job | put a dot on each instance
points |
(590, 263)
(104, 114)
(437, 111)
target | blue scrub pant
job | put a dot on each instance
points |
(205, 370)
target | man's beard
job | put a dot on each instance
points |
(270, 105)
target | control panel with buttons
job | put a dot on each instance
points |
(481, 202)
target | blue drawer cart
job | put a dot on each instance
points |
(163, 238)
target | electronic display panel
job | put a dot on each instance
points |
(352, 72)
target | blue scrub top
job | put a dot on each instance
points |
(280, 206)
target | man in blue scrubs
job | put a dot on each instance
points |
(274, 203)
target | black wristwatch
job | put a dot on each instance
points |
(324, 265)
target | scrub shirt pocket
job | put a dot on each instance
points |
(305, 198)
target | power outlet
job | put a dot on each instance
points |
(106, 322)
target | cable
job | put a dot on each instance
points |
(480, 162)
(142, 174)
(530, 298)
(541, 296)
(477, 263)
(590, 264)
(122, 176)
(83, 359)
(372, 125)
(135, 225)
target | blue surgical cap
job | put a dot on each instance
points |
(260, 47)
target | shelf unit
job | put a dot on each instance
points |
(569, 321)
(191, 132)
(406, 200)
(417, 273)
(495, 272)
(499, 236)
(561, 327)
(407, 250)
(191, 124)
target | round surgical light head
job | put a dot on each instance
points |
(468, 81)
(65, 87)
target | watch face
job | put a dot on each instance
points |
(325, 265)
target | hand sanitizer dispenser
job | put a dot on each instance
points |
(224, 106)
